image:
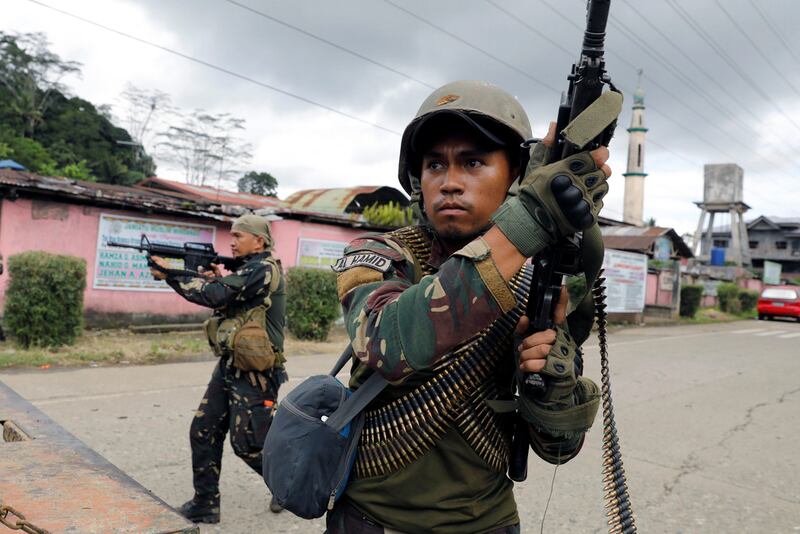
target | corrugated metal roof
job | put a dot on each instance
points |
(213, 194)
(641, 239)
(343, 199)
(116, 195)
(166, 199)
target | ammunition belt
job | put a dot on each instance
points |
(418, 240)
(401, 431)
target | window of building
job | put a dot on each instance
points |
(639, 156)
(780, 245)
(720, 243)
(753, 244)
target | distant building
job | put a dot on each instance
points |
(769, 238)
(665, 251)
(78, 218)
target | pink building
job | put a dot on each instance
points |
(77, 218)
(662, 283)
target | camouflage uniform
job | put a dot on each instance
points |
(235, 400)
(404, 321)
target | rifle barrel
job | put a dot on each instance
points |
(596, 20)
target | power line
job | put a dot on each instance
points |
(472, 46)
(645, 47)
(757, 48)
(530, 28)
(725, 57)
(671, 119)
(331, 43)
(650, 50)
(217, 68)
(775, 31)
(691, 60)
(742, 105)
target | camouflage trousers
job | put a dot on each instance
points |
(347, 519)
(235, 401)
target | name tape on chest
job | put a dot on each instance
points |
(367, 259)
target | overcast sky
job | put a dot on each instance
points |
(722, 79)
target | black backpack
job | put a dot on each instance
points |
(311, 445)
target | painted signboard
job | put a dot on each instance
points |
(626, 281)
(126, 269)
(318, 253)
(772, 272)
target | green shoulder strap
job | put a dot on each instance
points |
(581, 319)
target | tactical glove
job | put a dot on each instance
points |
(553, 201)
(569, 404)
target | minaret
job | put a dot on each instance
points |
(634, 177)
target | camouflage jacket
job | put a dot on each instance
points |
(402, 323)
(241, 291)
(403, 318)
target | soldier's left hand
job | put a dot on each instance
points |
(534, 349)
(158, 275)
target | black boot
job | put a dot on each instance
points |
(274, 507)
(199, 513)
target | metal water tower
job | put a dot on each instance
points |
(723, 190)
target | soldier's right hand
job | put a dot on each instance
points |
(556, 200)
(215, 270)
(569, 191)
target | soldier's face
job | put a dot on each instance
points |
(462, 185)
(245, 243)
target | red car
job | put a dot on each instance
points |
(779, 301)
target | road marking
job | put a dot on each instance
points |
(770, 333)
(655, 339)
(747, 331)
(103, 396)
(790, 336)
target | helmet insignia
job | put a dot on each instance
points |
(446, 99)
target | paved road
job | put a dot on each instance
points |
(708, 417)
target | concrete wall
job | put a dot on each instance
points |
(656, 296)
(71, 229)
(287, 234)
(723, 183)
(766, 247)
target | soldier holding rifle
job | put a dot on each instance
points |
(246, 333)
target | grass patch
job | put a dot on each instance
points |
(109, 347)
(713, 315)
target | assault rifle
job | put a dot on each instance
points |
(586, 82)
(194, 255)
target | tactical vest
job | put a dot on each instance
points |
(400, 431)
(252, 335)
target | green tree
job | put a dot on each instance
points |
(31, 74)
(391, 215)
(59, 132)
(26, 152)
(78, 171)
(258, 183)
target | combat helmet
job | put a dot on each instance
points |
(481, 106)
